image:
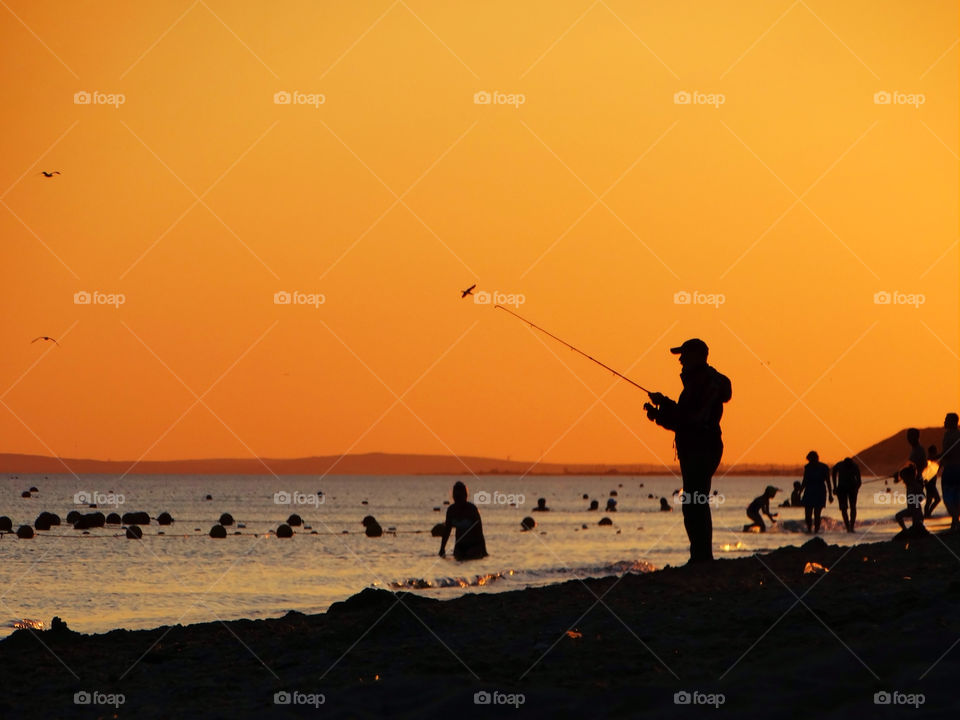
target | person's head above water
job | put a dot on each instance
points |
(950, 421)
(693, 353)
(913, 436)
(459, 492)
(541, 502)
(812, 456)
(797, 484)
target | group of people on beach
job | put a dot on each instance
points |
(694, 418)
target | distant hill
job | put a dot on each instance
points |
(886, 456)
(360, 464)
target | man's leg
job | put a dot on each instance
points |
(697, 468)
(853, 510)
(842, 503)
(808, 516)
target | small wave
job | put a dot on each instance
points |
(449, 582)
(26, 624)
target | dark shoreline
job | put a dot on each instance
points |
(887, 609)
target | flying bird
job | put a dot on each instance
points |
(45, 337)
(468, 291)
(49, 174)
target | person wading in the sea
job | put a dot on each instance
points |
(695, 420)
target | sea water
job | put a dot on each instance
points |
(102, 580)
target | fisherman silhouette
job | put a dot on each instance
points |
(846, 485)
(950, 469)
(816, 489)
(695, 420)
(464, 516)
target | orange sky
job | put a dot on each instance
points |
(598, 199)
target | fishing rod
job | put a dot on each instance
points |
(575, 349)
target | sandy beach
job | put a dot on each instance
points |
(753, 635)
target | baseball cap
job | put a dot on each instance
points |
(694, 345)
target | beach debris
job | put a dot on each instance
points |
(134, 532)
(284, 531)
(226, 519)
(373, 528)
(605, 521)
(112, 519)
(218, 531)
(814, 568)
(164, 518)
(294, 520)
(6, 524)
(24, 532)
(136, 518)
(573, 634)
(437, 530)
(528, 523)
(46, 520)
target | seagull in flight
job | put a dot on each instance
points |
(468, 291)
(45, 337)
(49, 174)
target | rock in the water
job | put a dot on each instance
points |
(528, 523)
(90, 520)
(136, 518)
(46, 520)
(284, 531)
(24, 532)
(605, 521)
(164, 518)
(134, 532)
(6, 524)
(294, 520)
(218, 531)
(226, 519)
(372, 526)
(437, 530)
